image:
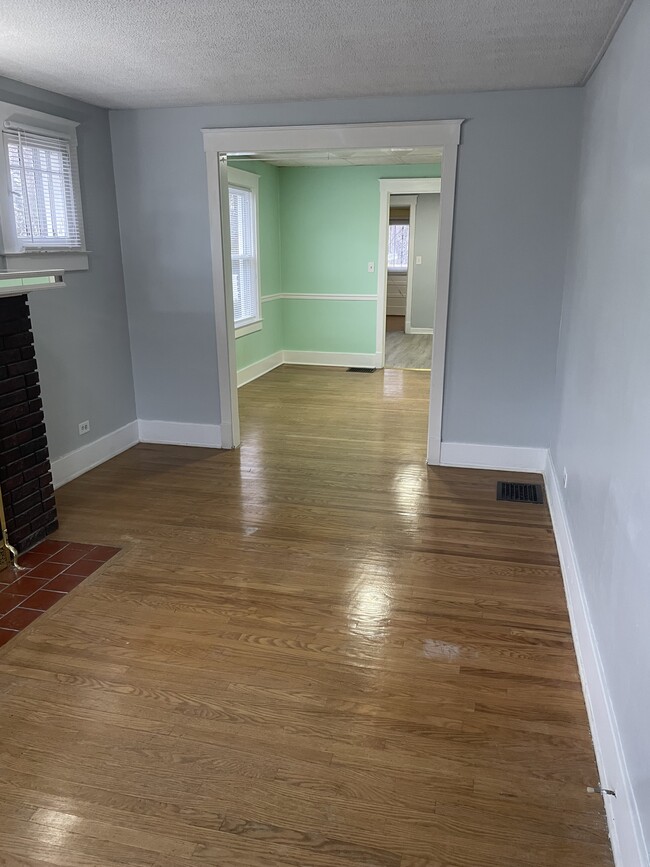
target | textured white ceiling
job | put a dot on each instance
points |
(363, 157)
(135, 53)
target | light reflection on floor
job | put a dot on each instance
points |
(395, 383)
(409, 483)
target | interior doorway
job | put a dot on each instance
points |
(330, 142)
(412, 248)
(399, 266)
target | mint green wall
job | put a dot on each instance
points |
(318, 230)
(258, 345)
(329, 226)
(330, 326)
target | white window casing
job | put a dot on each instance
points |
(41, 217)
(243, 197)
(44, 186)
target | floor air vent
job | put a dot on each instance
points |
(516, 492)
(361, 369)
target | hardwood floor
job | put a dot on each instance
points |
(408, 351)
(395, 323)
(312, 652)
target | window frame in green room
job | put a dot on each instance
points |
(251, 182)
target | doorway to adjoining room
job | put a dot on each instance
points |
(411, 260)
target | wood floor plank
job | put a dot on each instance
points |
(313, 651)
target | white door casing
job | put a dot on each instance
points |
(218, 143)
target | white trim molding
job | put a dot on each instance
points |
(16, 256)
(411, 202)
(407, 190)
(221, 143)
(330, 359)
(446, 186)
(239, 141)
(318, 296)
(481, 456)
(246, 180)
(179, 433)
(443, 277)
(623, 818)
(410, 187)
(68, 260)
(259, 368)
(249, 328)
(419, 330)
(296, 356)
(85, 458)
(250, 182)
(219, 217)
(325, 296)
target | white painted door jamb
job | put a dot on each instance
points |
(220, 142)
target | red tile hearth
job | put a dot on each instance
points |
(6, 634)
(54, 569)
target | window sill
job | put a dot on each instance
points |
(42, 260)
(248, 328)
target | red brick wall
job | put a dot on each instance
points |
(25, 477)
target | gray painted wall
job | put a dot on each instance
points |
(81, 332)
(425, 244)
(603, 436)
(517, 165)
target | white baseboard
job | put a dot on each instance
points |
(623, 817)
(296, 356)
(332, 359)
(259, 368)
(87, 457)
(489, 457)
(411, 329)
(179, 433)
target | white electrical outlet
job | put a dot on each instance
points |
(418, 260)
(84, 427)
(371, 267)
(565, 477)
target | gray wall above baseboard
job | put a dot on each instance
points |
(603, 430)
(517, 164)
(425, 245)
(81, 333)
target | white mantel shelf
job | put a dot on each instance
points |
(21, 282)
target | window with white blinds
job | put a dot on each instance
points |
(243, 248)
(44, 188)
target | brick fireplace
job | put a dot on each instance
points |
(25, 476)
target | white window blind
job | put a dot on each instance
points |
(243, 248)
(398, 247)
(44, 186)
